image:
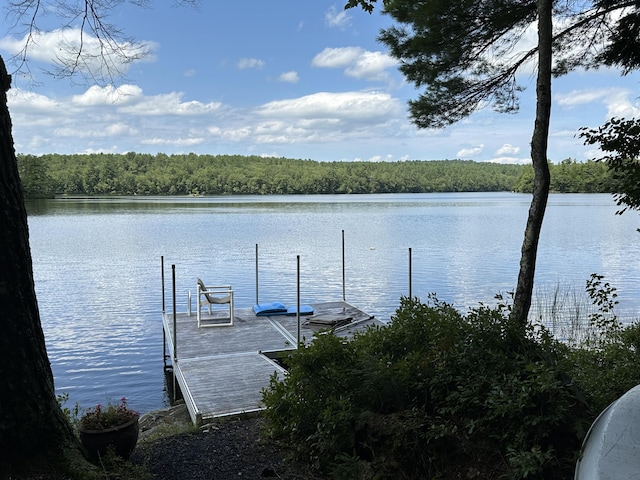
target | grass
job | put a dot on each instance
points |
(565, 310)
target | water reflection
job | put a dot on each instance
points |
(97, 264)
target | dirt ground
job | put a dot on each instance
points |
(232, 449)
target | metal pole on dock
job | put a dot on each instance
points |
(298, 307)
(257, 302)
(162, 276)
(175, 332)
(344, 295)
(410, 296)
(164, 334)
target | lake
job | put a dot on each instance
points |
(97, 264)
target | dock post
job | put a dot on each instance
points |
(410, 296)
(298, 307)
(162, 276)
(344, 296)
(175, 332)
(164, 334)
(257, 302)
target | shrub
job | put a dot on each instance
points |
(435, 394)
(607, 363)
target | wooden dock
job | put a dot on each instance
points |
(221, 371)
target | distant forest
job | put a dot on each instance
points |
(191, 174)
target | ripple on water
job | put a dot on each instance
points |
(97, 270)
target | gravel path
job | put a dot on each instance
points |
(231, 450)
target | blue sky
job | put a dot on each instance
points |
(287, 79)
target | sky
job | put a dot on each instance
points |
(289, 78)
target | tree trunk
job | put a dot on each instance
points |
(33, 430)
(542, 179)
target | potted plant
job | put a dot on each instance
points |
(112, 426)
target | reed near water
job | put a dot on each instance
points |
(578, 315)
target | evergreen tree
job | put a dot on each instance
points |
(464, 54)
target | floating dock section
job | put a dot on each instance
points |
(221, 371)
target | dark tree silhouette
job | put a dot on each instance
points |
(34, 433)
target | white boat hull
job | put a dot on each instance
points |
(611, 449)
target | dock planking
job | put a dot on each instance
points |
(221, 371)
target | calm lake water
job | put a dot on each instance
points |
(98, 273)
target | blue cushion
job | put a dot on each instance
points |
(266, 309)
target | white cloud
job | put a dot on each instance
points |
(176, 142)
(326, 117)
(289, 77)
(470, 152)
(130, 99)
(322, 118)
(335, 18)
(357, 62)
(620, 106)
(593, 154)
(36, 142)
(508, 149)
(61, 47)
(337, 57)
(371, 66)
(113, 130)
(245, 63)
(235, 134)
(25, 101)
(126, 115)
(380, 158)
(326, 105)
(120, 128)
(112, 149)
(109, 94)
(510, 160)
(616, 101)
(583, 96)
(169, 104)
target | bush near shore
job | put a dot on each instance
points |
(441, 394)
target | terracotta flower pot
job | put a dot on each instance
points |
(122, 439)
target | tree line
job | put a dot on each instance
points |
(191, 174)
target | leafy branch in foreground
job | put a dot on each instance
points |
(619, 139)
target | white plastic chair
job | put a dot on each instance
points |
(214, 295)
